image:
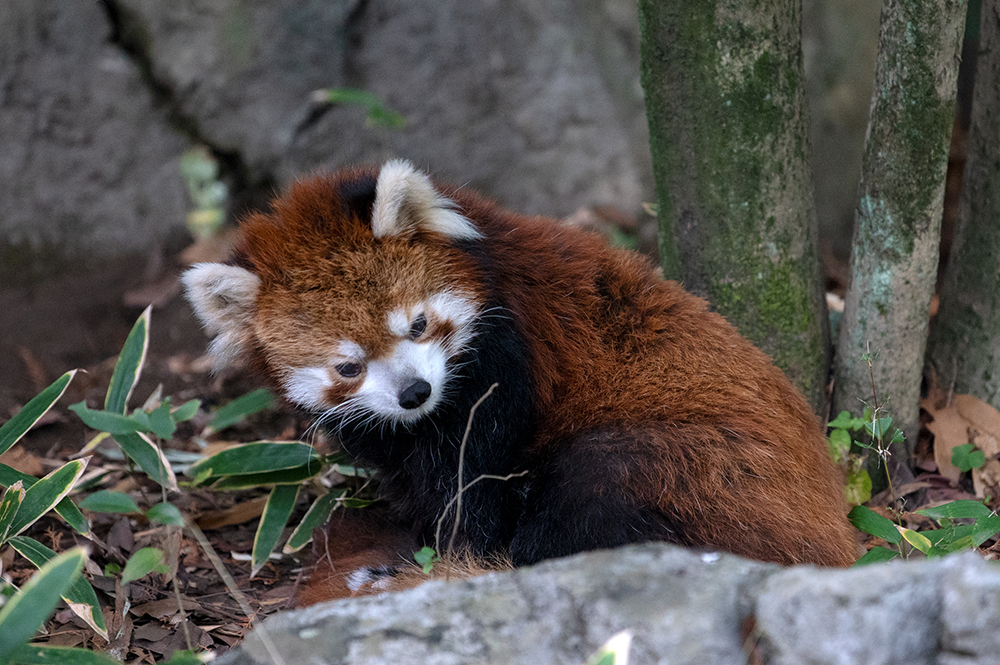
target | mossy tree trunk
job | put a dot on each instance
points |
(728, 134)
(897, 230)
(964, 346)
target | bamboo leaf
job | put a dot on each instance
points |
(316, 516)
(257, 457)
(984, 529)
(142, 563)
(285, 477)
(24, 614)
(272, 523)
(186, 411)
(32, 654)
(42, 496)
(129, 365)
(876, 555)
(149, 458)
(80, 592)
(12, 430)
(917, 540)
(66, 509)
(106, 501)
(957, 510)
(240, 408)
(12, 498)
(165, 513)
(871, 522)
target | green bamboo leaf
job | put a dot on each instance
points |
(186, 411)
(24, 614)
(106, 501)
(12, 430)
(42, 496)
(277, 510)
(165, 513)
(871, 522)
(12, 498)
(984, 529)
(80, 592)
(964, 508)
(129, 365)
(161, 423)
(286, 477)
(240, 408)
(876, 555)
(66, 509)
(316, 516)
(142, 563)
(149, 458)
(32, 654)
(257, 457)
(109, 421)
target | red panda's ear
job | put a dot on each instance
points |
(224, 298)
(405, 199)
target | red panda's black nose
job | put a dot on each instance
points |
(415, 394)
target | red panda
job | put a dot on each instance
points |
(388, 304)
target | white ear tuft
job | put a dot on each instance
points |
(224, 298)
(405, 198)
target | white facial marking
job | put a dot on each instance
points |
(454, 306)
(398, 322)
(350, 351)
(305, 386)
(387, 377)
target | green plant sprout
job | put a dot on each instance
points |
(138, 433)
(952, 536)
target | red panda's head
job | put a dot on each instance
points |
(351, 292)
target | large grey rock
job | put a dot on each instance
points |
(88, 163)
(682, 606)
(878, 615)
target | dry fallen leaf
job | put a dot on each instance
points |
(950, 429)
(984, 418)
(238, 514)
(986, 478)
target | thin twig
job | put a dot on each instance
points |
(883, 449)
(461, 469)
(230, 583)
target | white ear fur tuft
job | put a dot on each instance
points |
(405, 198)
(224, 298)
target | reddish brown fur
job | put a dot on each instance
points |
(730, 439)
(683, 415)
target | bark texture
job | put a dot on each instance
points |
(897, 232)
(728, 135)
(964, 346)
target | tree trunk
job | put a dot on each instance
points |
(724, 100)
(964, 347)
(898, 226)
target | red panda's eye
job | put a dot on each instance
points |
(349, 370)
(417, 327)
